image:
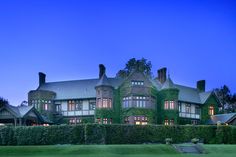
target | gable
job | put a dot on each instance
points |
(4, 113)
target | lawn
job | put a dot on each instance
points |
(111, 151)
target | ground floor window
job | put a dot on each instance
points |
(104, 120)
(140, 120)
(194, 122)
(75, 120)
(169, 122)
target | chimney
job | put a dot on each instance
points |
(201, 85)
(162, 75)
(102, 70)
(42, 78)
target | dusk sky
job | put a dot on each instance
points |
(68, 39)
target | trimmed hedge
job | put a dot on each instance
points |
(115, 134)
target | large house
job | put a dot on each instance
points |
(136, 99)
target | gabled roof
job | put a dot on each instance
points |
(204, 96)
(222, 118)
(168, 84)
(188, 94)
(77, 89)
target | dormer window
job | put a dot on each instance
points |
(137, 83)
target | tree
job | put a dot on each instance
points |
(141, 65)
(224, 96)
(3, 102)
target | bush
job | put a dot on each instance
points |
(114, 134)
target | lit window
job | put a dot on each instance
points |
(166, 106)
(172, 105)
(104, 121)
(71, 105)
(104, 103)
(140, 120)
(98, 120)
(45, 107)
(211, 110)
(166, 122)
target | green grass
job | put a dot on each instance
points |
(111, 151)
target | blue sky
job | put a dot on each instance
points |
(67, 39)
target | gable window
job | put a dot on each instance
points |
(211, 110)
(137, 83)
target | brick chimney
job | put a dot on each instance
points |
(102, 70)
(42, 78)
(201, 85)
(161, 75)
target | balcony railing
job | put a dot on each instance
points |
(189, 115)
(78, 113)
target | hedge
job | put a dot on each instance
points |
(115, 134)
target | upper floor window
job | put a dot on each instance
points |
(139, 101)
(58, 107)
(75, 105)
(92, 104)
(169, 105)
(127, 102)
(211, 110)
(104, 103)
(197, 110)
(137, 83)
(45, 107)
(188, 108)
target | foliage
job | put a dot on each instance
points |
(3, 102)
(141, 65)
(227, 99)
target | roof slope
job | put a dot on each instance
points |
(77, 89)
(222, 118)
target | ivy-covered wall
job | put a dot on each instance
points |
(167, 95)
(205, 108)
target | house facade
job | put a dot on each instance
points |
(136, 99)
